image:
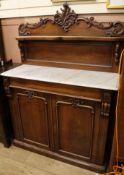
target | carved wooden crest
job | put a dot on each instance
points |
(67, 18)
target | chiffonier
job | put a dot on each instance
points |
(63, 95)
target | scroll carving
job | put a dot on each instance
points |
(112, 29)
(25, 29)
(67, 18)
(115, 29)
(30, 94)
(105, 106)
(77, 103)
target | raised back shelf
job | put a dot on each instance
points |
(71, 42)
(68, 38)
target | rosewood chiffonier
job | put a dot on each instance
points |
(63, 96)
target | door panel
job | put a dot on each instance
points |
(33, 118)
(79, 128)
(71, 121)
(33, 114)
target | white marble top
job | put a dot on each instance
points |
(83, 78)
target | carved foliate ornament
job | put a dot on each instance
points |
(25, 29)
(67, 18)
(77, 103)
(111, 28)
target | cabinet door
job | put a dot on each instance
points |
(31, 117)
(80, 129)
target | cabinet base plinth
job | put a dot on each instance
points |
(82, 164)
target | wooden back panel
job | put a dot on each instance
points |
(72, 42)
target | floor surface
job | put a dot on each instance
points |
(16, 161)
